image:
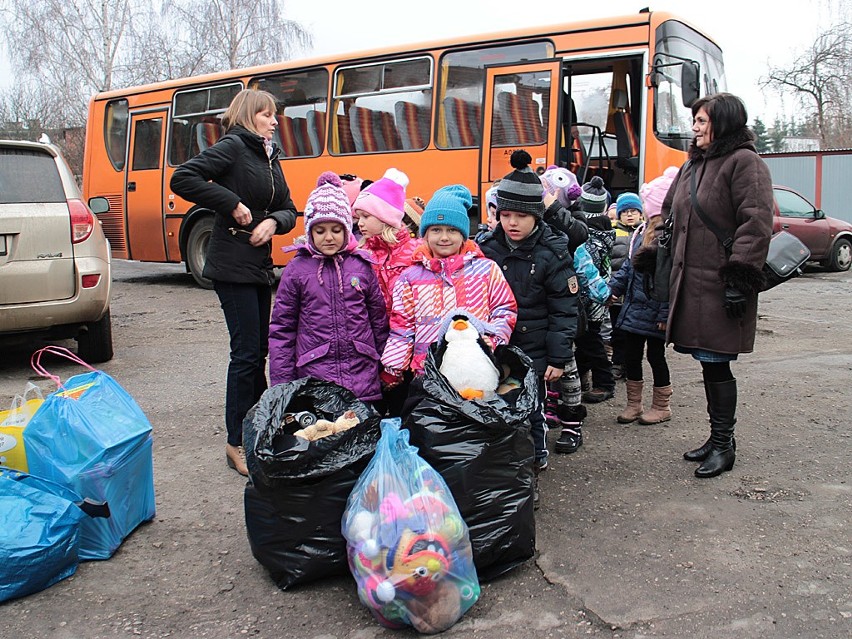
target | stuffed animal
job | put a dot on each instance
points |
(563, 183)
(468, 362)
(323, 428)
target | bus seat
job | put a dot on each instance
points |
(207, 134)
(520, 119)
(344, 133)
(303, 141)
(627, 144)
(463, 122)
(413, 123)
(366, 135)
(287, 136)
(390, 134)
(316, 130)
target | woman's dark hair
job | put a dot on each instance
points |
(727, 113)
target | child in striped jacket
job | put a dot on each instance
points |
(448, 272)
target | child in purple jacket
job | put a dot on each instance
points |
(329, 319)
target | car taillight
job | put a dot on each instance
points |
(82, 221)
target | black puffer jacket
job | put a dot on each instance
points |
(237, 169)
(541, 274)
(571, 222)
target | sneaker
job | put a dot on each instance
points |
(540, 465)
(597, 395)
(570, 439)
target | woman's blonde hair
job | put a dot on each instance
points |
(245, 105)
(650, 226)
(388, 235)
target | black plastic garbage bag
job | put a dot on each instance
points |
(297, 492)
(484, 451)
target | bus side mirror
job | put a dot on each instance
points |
(689, 87)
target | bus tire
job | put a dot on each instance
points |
(94, 343)
(196, 250)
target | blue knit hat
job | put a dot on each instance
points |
(449, 206)
(627, 201)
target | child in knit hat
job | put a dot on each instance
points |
(380, 210)
(628, 215)
(538, 265)
(642, 319)
(329, 299)
(448, 272)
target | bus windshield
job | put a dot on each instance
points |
(675, 43)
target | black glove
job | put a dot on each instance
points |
(735, 302)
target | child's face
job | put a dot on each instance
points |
(328, 237)
(444, 240)
(517, 226)
(491, 221)
(369, 225)
(630, 217)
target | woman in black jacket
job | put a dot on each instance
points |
(240, 179)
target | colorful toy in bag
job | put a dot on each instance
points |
(407, 545)
(39, 532)
(563, 183)
(90, 436)
(13, 454)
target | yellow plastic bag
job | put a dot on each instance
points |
(12, 424)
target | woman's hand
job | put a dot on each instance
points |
(661, 326)
(241, 215)
(263, 232)
(552, 374)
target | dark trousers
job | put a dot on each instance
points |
(538, 424)
(247, 308)
(617, 339)
(634, 345)
(591, 356)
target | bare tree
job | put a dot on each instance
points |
(820, 78)
(236, 33)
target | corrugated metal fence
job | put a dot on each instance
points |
(824, 177)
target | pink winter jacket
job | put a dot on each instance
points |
(432, 287)
(390, 261)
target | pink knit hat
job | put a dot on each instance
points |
(654, 192)
(352, 186)
(328, 203)
(385, 198)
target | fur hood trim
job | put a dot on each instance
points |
(743, 138)
(645, 260)
(745, 277)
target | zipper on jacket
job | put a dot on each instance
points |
(272, 181)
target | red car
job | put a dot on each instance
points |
(829, 239)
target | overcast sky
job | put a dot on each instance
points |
(751, 33)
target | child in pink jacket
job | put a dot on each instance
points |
(448, 272)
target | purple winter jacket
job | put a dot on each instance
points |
(329, 322)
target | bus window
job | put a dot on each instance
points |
(195, 120)
(382, 107)
(116, 121)
(676, 43)
(520, 100)
(146, 145)
(462, 86)
(302, 107)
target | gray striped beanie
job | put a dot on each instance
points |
(521, 190)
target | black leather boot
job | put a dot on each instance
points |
(722, 400)
(700, 454)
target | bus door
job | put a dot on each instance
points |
(520, 111)
(144, 187)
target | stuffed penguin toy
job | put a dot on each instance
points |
(468, 362)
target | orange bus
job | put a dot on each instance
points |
(605, 97)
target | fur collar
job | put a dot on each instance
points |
(743, 138)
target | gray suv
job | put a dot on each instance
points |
(55, 276)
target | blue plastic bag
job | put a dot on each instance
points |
(407, 545)
(39, 533)
(92, 437)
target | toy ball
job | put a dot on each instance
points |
(360, 527)
(385, 592)
(370, 548)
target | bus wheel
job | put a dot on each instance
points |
(196, 250)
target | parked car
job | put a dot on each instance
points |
(55, 275)
(829, 239)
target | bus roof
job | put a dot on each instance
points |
(637, 19)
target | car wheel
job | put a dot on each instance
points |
(94, 343)
(841, 255)
(196, 250)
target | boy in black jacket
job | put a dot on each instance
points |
(538, 265)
